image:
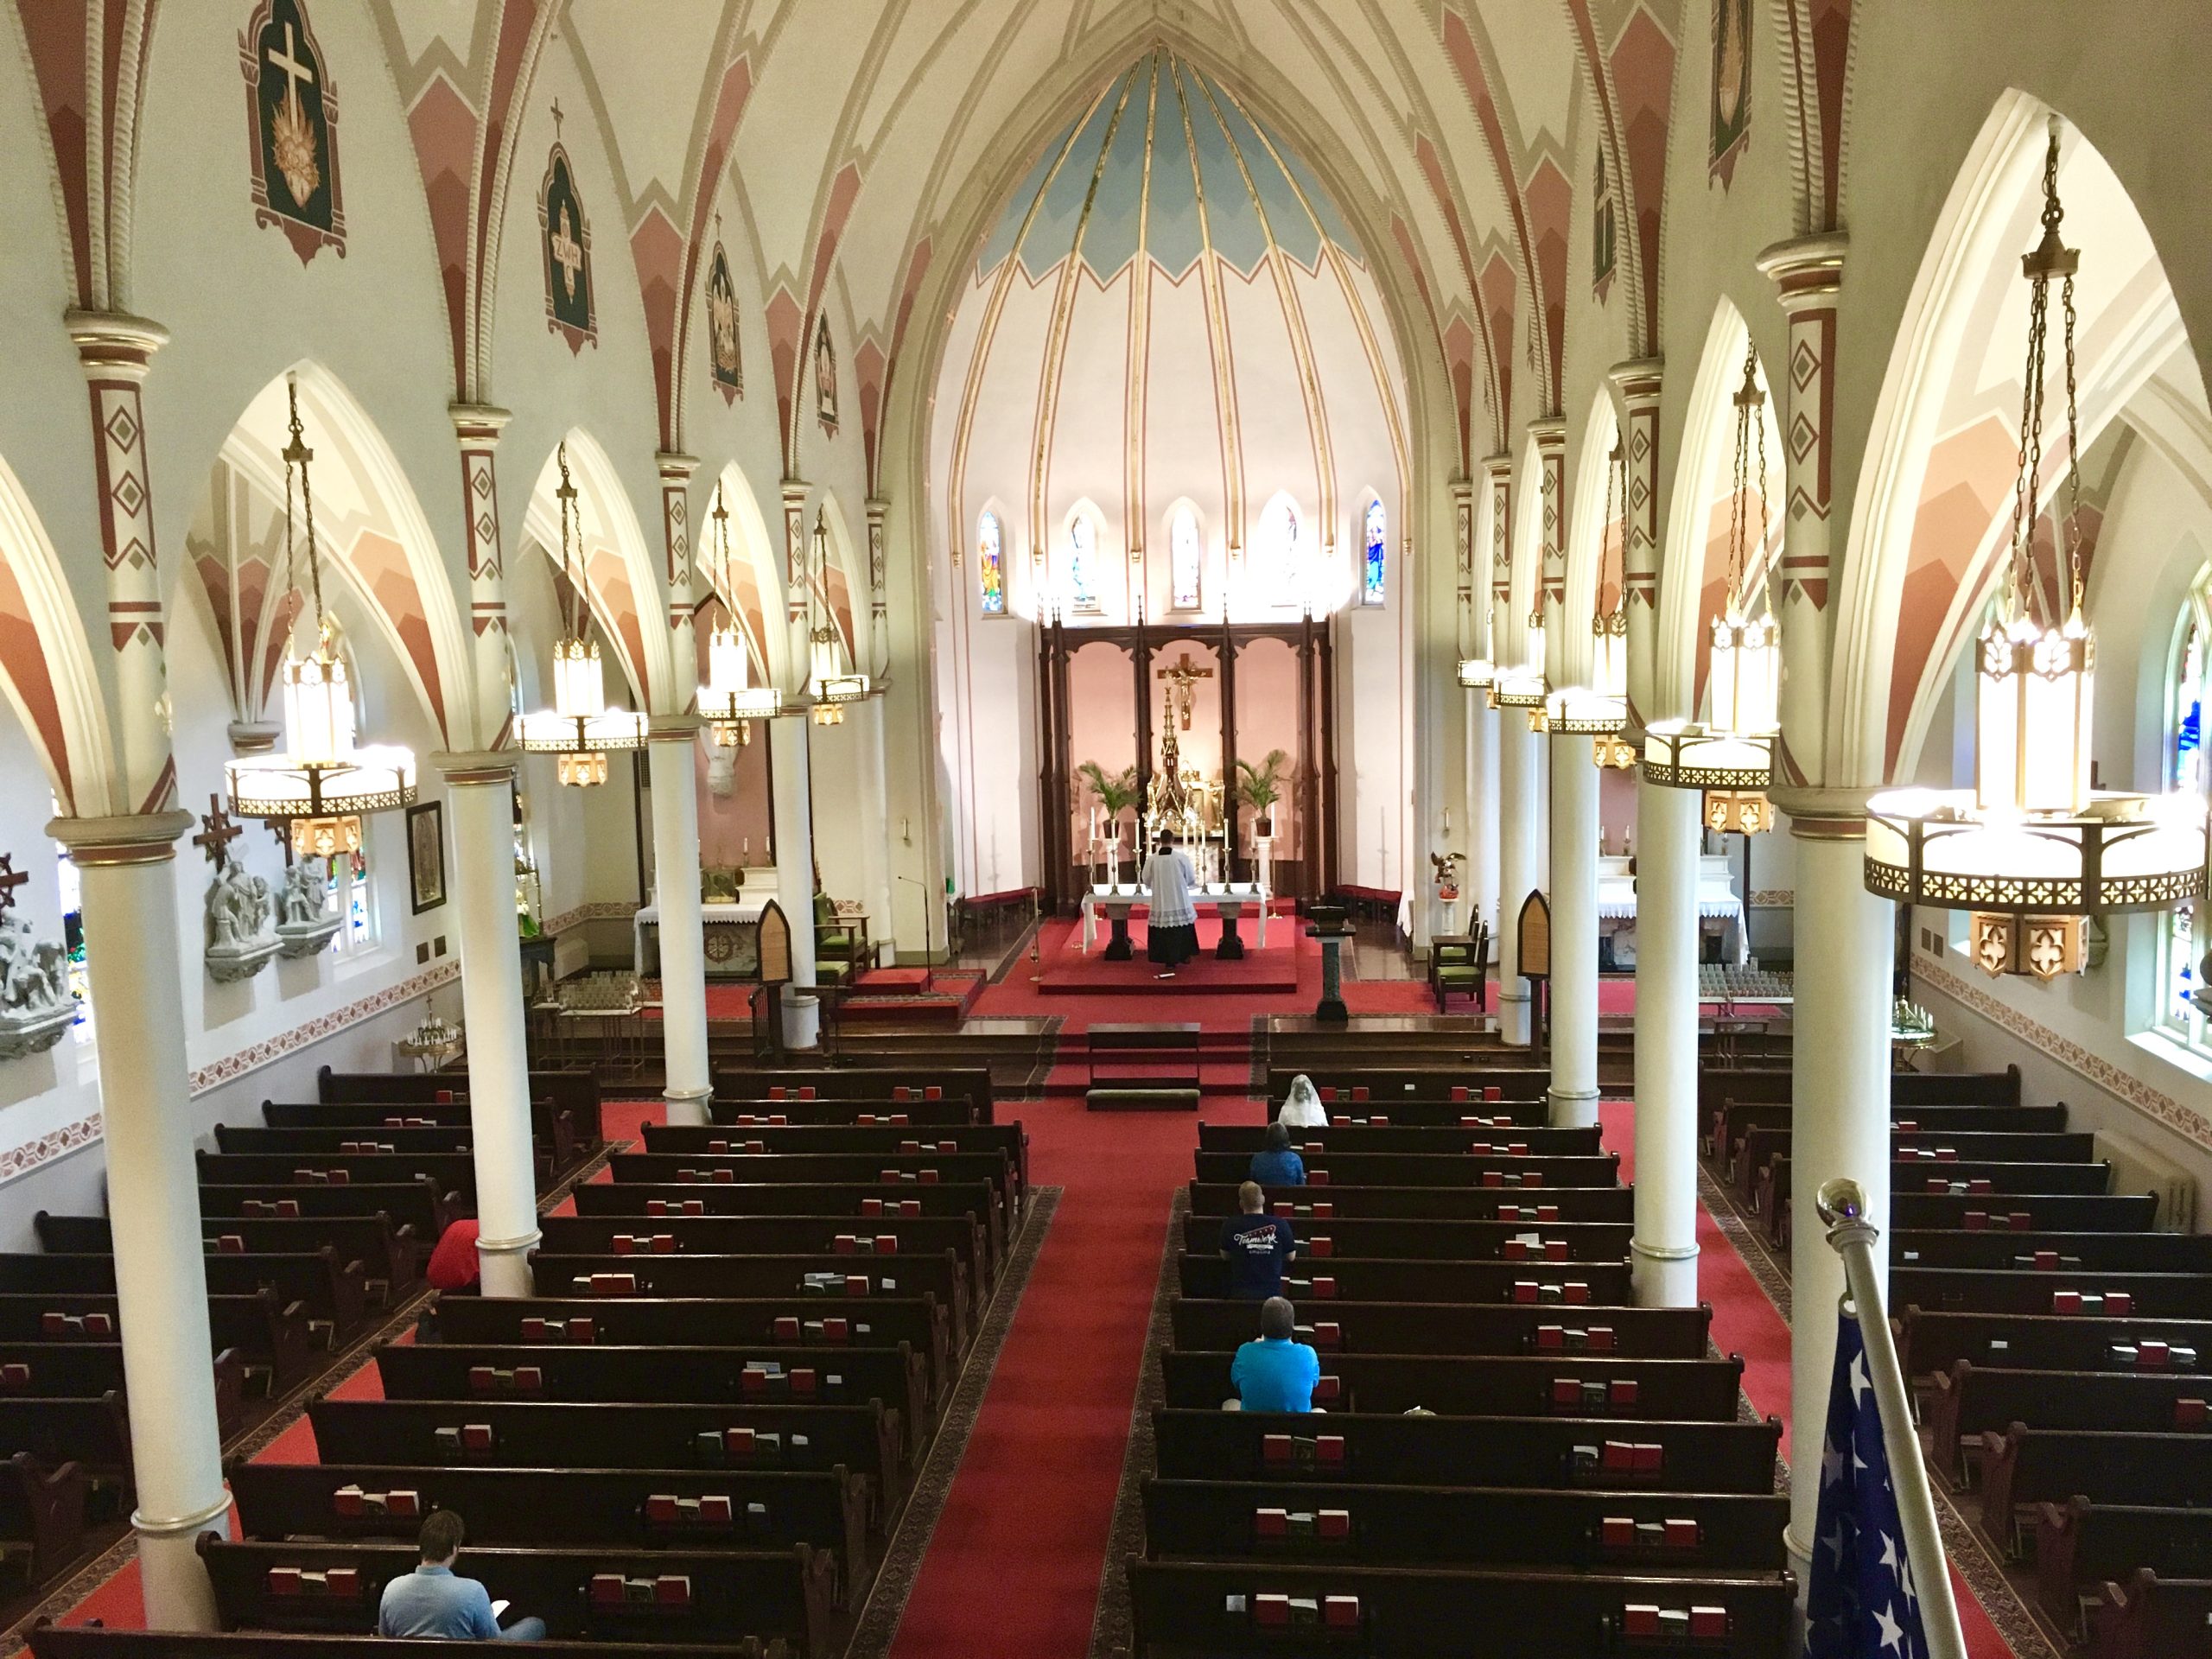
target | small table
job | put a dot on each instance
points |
(1227, 899)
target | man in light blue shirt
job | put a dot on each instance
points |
(432, 1602)
(1275, 1373)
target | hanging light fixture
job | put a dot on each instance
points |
(2033, 851)
(832, 681)
(729, 703)
(321, 784)
(1731, 756)
(1598, 710)
(1480, 673)
(580, 728)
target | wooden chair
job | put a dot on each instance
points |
(840, 945)
(1457, 963)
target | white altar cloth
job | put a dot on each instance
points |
(746, 910)
(1228, 899)
(1716, 901)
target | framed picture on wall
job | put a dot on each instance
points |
(426, 854)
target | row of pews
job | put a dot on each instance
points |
(694, 1437)
(2060, 1342)
(1503, 1446)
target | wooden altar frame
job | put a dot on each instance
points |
(1313, 789)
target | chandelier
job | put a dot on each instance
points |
(729, 703)
(321, 784)
(1525, 687)
(1603, 710)
(579, 729)
(1731, 756)
(2031, 850)
(1479, 673)
(832, 681)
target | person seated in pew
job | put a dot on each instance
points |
(1302, 1109)
(1276, 1372)
(453, 1269)
(431, 1601)
(1256, 1246)
(1275, 1164)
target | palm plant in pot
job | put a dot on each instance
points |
(1117, 793)
(1260, 787)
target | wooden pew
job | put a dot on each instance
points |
(2080, 1544)
(2152, 1618)
(1995, 1187)
(2024, 1468)
(868, 1439)
(1420, 1169)
(450, 1173)
(267, 1333)
(1434, 1241)
(1495, 1386)
(2102, 1212)
(1934, 1340)
(575, 1094)
(80, 1371)
(1973, 1400)
(921, 1322)
(1540, 1284)
(390, 1257)
(892, 1171)
(940, 1275)
(1717, 1085)
(1436, 1112)
(1185, 1608)
(895, 1114)
(824, 1234)
(1456, 1328)
(661, 1509)
(1758, 1147)
(555, 1132)
(1731, 1120)
(1246, 1139)
(602, 1594)
(1997, 1290)
(331, 1289)
(2071, 1253)
(1206, 1443)
(1341, 1084)
(639, 1198)
(94, 1434)
(1474, 1526)
(1301, 1204)
(1009, 1139)
(971, 1083)
(422, 1204)
(96, 1642)
(778, 1374)
(42, 1515)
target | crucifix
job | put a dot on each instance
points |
(217, 832)
(10, 879)
(288, 63)
(1182, 677)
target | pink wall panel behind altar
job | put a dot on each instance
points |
(1266, 718)
(727, 822)
(1200, 746)
(1102, 720)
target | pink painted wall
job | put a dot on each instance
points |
(1266, 718)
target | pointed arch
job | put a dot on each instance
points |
(621, 583)
(1593, 547)
(46, 669)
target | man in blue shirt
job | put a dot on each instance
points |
(1275, 1164)
(1274, 1373)
(1257, 1247)
(431, 1602)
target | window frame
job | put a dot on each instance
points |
(2171, 1016)
(1374, 595)
(991, 516)
(1178, 515)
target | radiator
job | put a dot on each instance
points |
(2138, 1168)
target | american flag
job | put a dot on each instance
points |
(1861, 1602)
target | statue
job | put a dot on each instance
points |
(36, 1004)
(239, 938)
(306, 921)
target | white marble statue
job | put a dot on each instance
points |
(307, 922)
(239, 938)
(36, 1003)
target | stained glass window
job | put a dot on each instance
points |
(1280, 554)
(1083, 563)
(990, 564)
(2180, 948)
(73, 934)
(1184, 559)
(1375, 538)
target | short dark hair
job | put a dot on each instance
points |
(1278, 1136)
(442, 1533)
(1250, 1197)
(1278, 1320)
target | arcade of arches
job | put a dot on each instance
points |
(679, 540)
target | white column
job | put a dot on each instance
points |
(131, 957)
(876, 847)
(789, 768)
(1663, 1261)
(689, 1090)
(1840, 1124)
(1517, 865)
(480, 804)
(1573, 1091)
(1481, 770)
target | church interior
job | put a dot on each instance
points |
(707, 903)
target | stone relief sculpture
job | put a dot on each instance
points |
(36, 1003)
(306, 921)
(240, 940)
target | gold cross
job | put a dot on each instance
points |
(567, 253)
(1182, 677)
(288, 64)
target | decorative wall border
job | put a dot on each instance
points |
(600, 910)
(1774, 897)
(54, 1143)
(2126, 1086)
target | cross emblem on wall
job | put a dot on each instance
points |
(1182, 677)
(288, 63)
(567, 253)
(10, 879)
(217, 832)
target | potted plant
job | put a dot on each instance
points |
(1117, 794)
(1260, 787)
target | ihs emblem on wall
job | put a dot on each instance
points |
(566, 234)
(291, 112)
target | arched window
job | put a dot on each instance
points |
(1184, 560)
(2182, 943)
(1281, 556)
(990, 564)
(1375, 538)
(1081, 582)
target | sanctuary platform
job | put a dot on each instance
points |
(1273, 967)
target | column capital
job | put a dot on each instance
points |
(1807, 270)
(134, 838)
(477, 422)
(794, 489)
(674, 467)
(1638, 380)
(878, 505)
(464, 766)
(1549, 433)
(1463, 488)
(1817, 814)
(115, 342)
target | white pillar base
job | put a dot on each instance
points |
(1573, 1108)
(504, 1263)
(688, 1106)
(171, 1575)
(1663, 1275)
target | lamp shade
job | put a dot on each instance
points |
(1579, 711)
(1745, 673)
(2033, 696)
(1686, 754)
(2120, 852)
(1476, 673)
(1609, 654)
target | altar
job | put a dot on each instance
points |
(1228, 899)
(731, 930)
(1720, 908)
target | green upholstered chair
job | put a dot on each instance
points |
(1457, 963)
(837, 946)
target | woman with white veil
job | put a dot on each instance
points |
(1303, 1109)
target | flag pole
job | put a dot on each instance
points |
(1843, 1209)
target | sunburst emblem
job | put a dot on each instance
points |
(292, 138)
(721, 313)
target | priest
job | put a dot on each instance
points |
(1172, 932)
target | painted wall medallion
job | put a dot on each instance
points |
(825, 376)
(1604, 231)
(566, 234)
(1732, 85)
(291, 113)
(722, 350)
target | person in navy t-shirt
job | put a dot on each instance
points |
(1257, 1247)
(1275, 1164)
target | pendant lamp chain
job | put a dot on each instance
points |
(2051, 259)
